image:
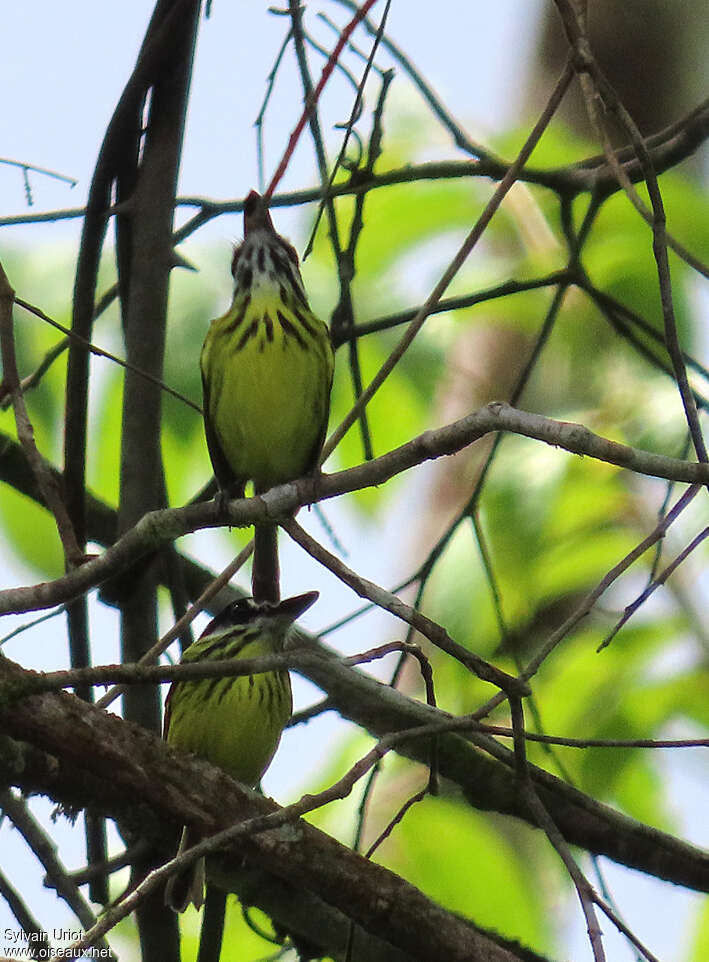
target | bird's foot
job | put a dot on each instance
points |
(223, 497)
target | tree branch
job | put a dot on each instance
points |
(159, 527)
(477, 763)
(124, 763)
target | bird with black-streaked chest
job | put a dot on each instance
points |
(267, 368)
(266, 365)
(235, 722)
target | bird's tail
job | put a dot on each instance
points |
(186, 887)
(265, 573)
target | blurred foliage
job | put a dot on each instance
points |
(554, 523)
(241, 941)
(700, 944)
(439, 844)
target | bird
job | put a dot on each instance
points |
(234, 722)
(267, 368)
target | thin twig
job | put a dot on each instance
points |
(258, 123)
(618, 313)
(668, 148)
(592, 597)
(312, 101)
(502, 732)
(454, 266)
(37, 941)
(157, 528)
(460, 138)
(325, 53)
(99, 352)
(354, 115)
(83, 875)
(624, 930)
(384, 599)
(181, 624)
(250, 827)
(321, 15)
(652, 587)
(432, 784)
(23, 165)
(583, 887)
(44, 849)
(25, 432)
(595, 87)
(344, 311)
(413, 651)
(31, 624)
(575, 241)
(396, 819)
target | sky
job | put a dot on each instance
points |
(67, 63)
(63, 68)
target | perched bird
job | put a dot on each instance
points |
(233, 722)
(267, 369)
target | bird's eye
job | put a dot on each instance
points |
(241, 611)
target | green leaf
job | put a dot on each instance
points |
(32, 532)
(699, 951)
(473, 864)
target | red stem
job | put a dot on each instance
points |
(315, 96)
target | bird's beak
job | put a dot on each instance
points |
(256, 215)
(294, 607)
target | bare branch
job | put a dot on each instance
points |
(45, 851)
(156, 528)
(596, 89)
(453, 268)
(435, 633)
(25, 432)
